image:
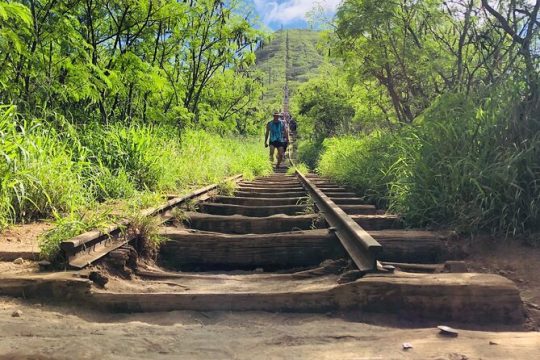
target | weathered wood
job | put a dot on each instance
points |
(331, 188)
(476, 298)
(358, 209)
(378, 222)
(430, 268)
(348, 200)
(270, 201)
(237, 224)
(412, 246)
(326, 268)
(281, 189)
(269, 184)
(262, 194)
(290, 249)
(339, 194)
(269, 251)
(276, 177)
(252, 211)
(60, 286)
(290, 181)
(23, 254)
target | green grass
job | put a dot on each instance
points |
(303, 168)
(457, 168)
(79, 174)
(226, 188)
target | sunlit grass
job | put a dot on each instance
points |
(455, 169)
(100, 172)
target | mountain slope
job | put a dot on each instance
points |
(304, 62)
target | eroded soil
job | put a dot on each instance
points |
(73, 332)
(21, 240)
(512, 259)
(53, 332)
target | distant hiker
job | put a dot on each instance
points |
(285, 131)
(292, 129)
(275, 131)
(292, 125)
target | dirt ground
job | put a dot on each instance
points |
(515, 260)
(73, 332)
(21, 240)
(53, 332)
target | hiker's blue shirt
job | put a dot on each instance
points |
(276, 131)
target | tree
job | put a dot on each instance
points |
(418, 50)
(120, 60)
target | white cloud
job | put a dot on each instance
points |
(291, 10)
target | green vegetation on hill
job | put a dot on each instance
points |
(304, 62)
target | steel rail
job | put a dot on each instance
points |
(359, 244)
(86, 248)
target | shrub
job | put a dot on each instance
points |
(459, 167)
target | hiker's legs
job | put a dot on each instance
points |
(280, 156)
(272, 150)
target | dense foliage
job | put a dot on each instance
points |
(178, 62)
(435, 108)
(67, 169)
(111, 99)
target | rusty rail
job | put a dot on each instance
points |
(86, 248)
(361, 246)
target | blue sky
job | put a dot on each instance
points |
(290, 13)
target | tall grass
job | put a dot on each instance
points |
(37, 173)
(458, 167)
(64, 173)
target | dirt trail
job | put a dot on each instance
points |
(48, 332)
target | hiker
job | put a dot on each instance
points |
(292, 129)
(292, 125)
(284, 119)
(276, 132)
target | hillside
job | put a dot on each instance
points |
(304, 60)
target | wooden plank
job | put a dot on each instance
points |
(289, 249)
(378, 222)
(61, 286)
(23, 254)
(339, 194)
(358, 209)
(276, 183)
(255, 189)
(238, 224)
(252, 211)
(259, 201)
(263, 194)
(269, 251)
(468, 297)
(347, 200)
(415, 267)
